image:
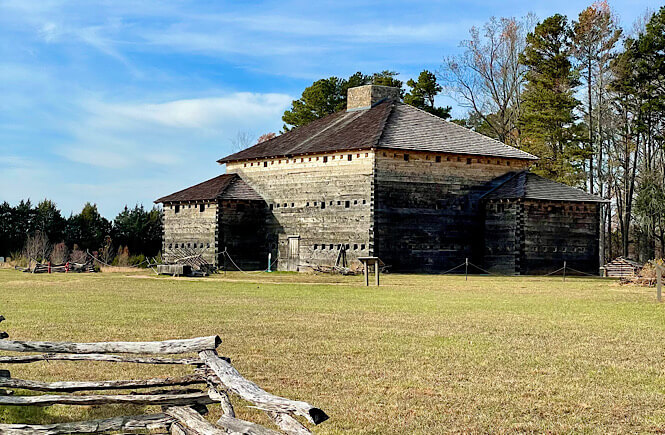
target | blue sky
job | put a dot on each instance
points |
(119, 102)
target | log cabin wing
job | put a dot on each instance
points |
(532, 225)
(221, 213)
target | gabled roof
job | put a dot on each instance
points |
(226, 186)
(624, 261)
(386, 125)
(527, 185)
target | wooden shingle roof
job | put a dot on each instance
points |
(226, 186)
(388, 125)
(409, 128)
(527, 185)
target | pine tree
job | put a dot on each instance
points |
(548, 118)
(328, 96)
(423, 92)
(595, 34)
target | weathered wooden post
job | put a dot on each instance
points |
(659, 282)
(366, 261)
(466, 269)
(564, 271)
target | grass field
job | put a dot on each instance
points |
(421, 354)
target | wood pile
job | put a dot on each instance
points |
(192, 258)
(645, 277)
(325, 268)
(183, 405)
(69, 267)
(621, 268)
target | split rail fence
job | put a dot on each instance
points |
(182, 406)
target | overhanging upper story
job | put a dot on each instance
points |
(376, 120)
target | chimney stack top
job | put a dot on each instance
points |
(367, 96)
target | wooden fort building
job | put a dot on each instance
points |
(385, 179)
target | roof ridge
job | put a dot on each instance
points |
(341, 119)
(384, 122)
(514, 174)
(469, 130)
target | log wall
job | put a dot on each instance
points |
(242, 234)
(558, 231)
(315, 203)
(427, 207)
(502, 236)
(192, 228)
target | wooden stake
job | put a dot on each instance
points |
(466, 269)
(659, 282)
(564, 271)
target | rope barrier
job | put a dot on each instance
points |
(579, 271)
(456, 267)
(109, 265)
(552, 273)
(487, 271)
(226, 254)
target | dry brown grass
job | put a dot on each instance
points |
(422, 354)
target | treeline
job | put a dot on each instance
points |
(584, 95)
(41, 233)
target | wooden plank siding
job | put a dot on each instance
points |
(325, 199)
(427, 209)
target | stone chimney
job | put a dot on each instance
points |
(365, 97)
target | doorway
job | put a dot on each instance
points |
(293, 253)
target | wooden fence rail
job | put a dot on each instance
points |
(182, 407)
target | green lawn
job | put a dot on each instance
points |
(420, 354)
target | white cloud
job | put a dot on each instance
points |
(124, 135)
(208, 113)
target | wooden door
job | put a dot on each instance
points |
(293, 253)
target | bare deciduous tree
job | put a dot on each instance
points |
(266, 137)
(37, 247)
(60, 253)
(241, 140)
(106, 252)
(77, 255)
(488, 77)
